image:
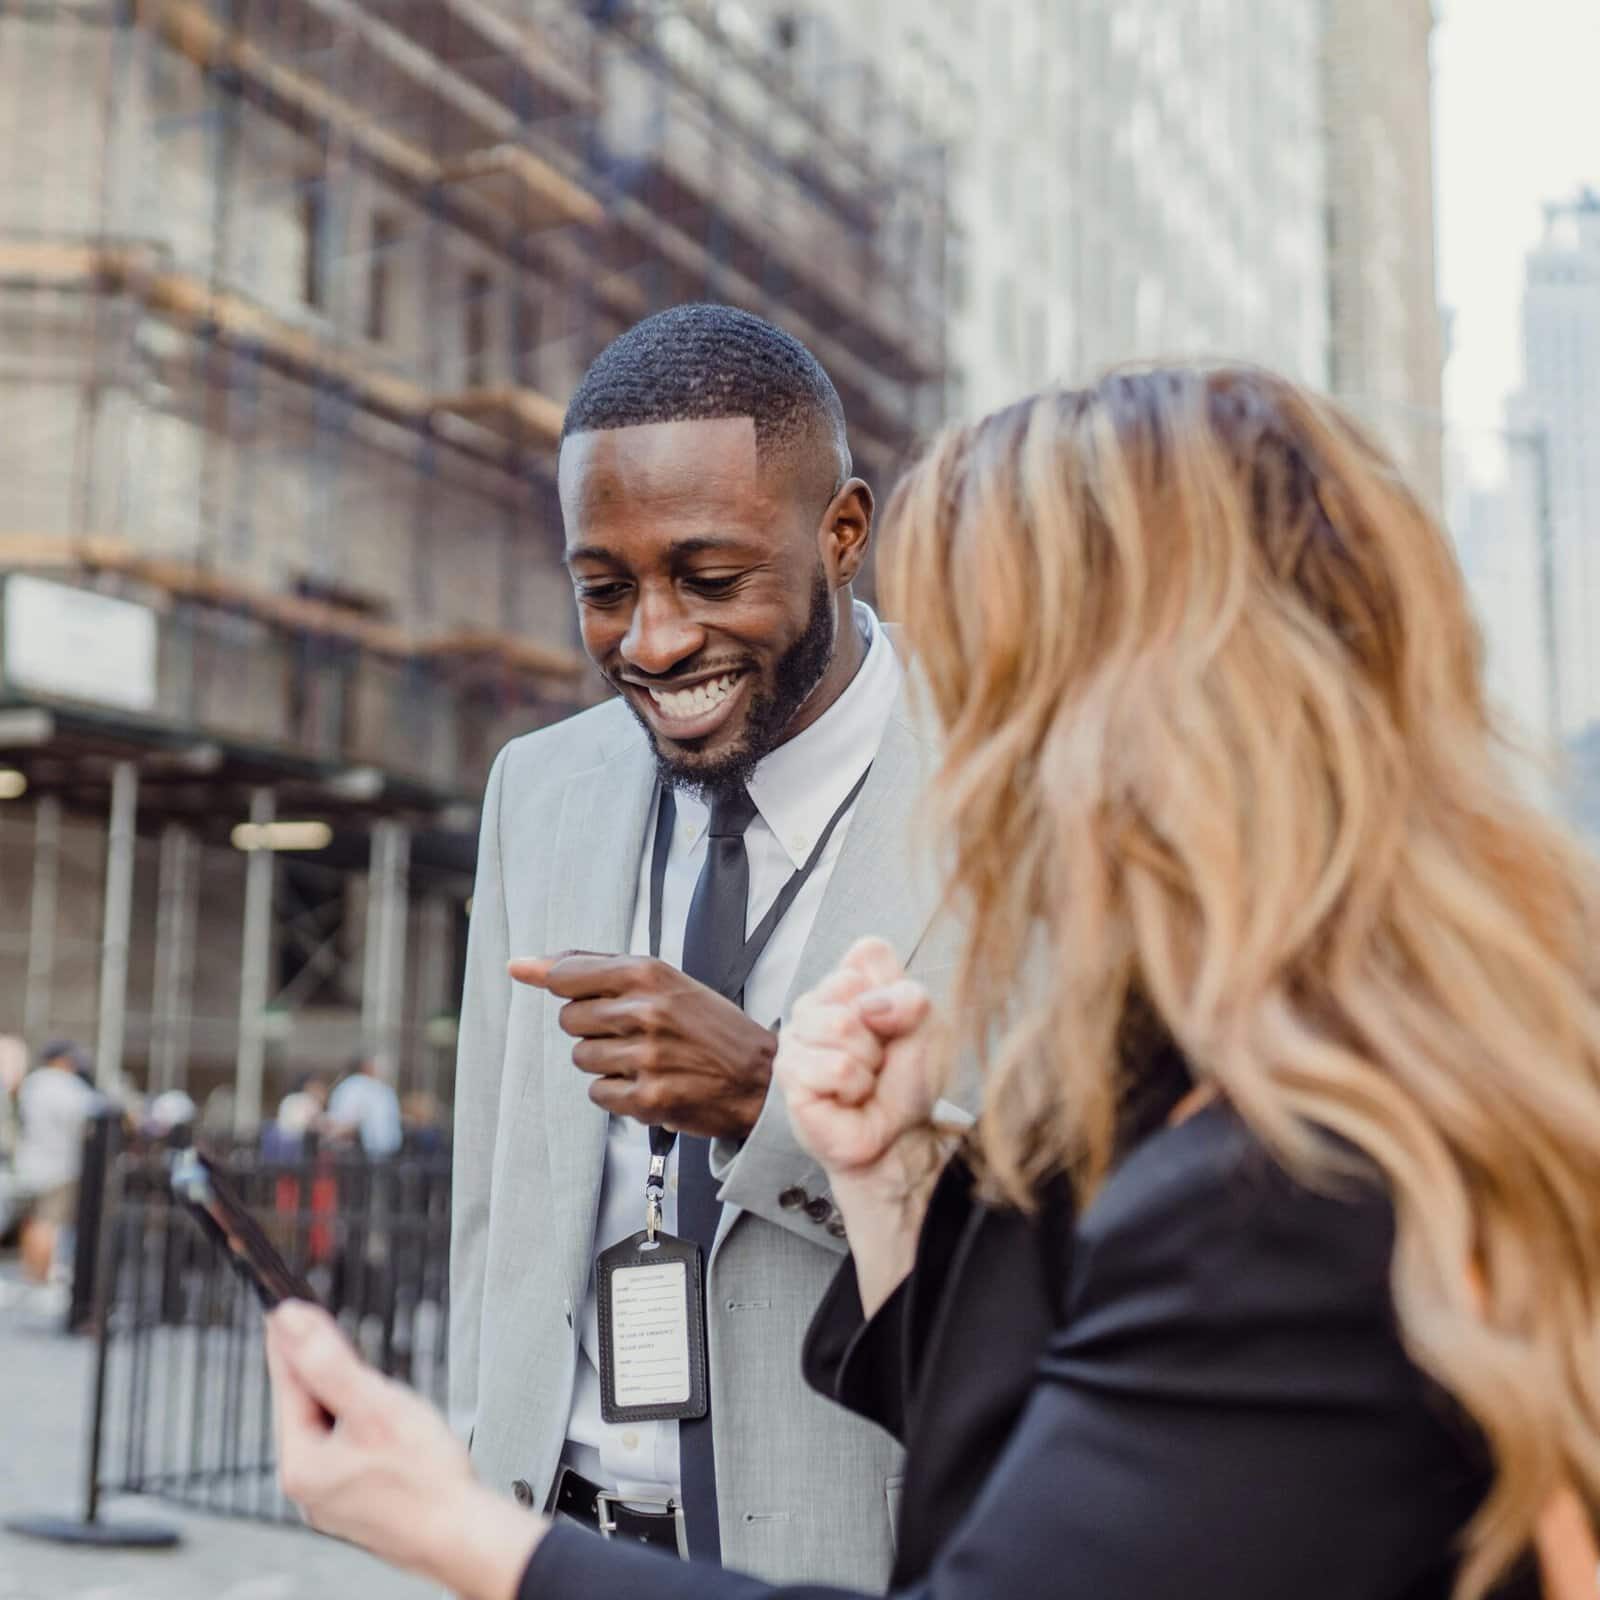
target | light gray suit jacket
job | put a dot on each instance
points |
(803, 1490)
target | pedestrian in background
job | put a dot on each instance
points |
(13, 1069)
(300, 1114)
(53, 1107)
(425, 1133)
(365, 1107)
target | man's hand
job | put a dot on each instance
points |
(663, 1048)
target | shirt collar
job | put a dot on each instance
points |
(800, 785)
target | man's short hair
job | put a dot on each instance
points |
(66, 1050)
(700, 363)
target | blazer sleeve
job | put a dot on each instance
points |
(861, 1362)
(480, 1061)
(772, 1176)
(873, 1366)
(1227, 1412)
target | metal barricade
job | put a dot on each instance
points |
(181, 1407)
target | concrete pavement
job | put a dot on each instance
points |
(44, 1391)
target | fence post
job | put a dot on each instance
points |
(99, 1151)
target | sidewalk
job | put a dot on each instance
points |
(44, 1388)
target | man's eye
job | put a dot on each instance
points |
(601, 594)
(713, 585)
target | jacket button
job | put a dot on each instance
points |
(819, 1210)
(836, 1227)
(522, 1492)
(793, 1199)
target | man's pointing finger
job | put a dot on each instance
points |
(574, 974)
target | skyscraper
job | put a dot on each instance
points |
(1129, 178)
(1558, 413)
(1385, 338)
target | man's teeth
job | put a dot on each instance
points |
(698, 700)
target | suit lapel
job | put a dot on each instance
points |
(881, 884)
(598, 843)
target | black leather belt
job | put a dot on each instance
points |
(575, 1497)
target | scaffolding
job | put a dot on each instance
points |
(292, 293)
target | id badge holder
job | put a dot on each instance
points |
(652, 1329)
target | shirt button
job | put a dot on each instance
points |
(802, 844)
(630, 1440)
(819, 1210)
(793, 1199)
(672, 1183)
(522, 1492)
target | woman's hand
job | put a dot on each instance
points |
(855, 1063)
(385, 1473)
(856, 1066)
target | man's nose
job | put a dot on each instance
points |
(659, 635)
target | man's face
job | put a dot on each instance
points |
(702, 591)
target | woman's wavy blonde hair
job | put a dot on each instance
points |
(1217, 742)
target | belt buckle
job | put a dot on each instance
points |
(603, 1503)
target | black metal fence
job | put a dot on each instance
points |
(181, 1407)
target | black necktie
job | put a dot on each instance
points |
(712, 941)
(714, 935)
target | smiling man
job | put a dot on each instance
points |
(658, 878)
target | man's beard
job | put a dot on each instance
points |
(799, 670)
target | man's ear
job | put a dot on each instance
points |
(847, 532)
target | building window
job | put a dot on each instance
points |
(1000, 55)
(314, 243)
(955, 395)
(525, 334)
(460, 928)
(1005, 319)
(319, 696)
(475, 327)
(958, 279)
(313, 955)
(385, 235)
(1038, 344)
(1003, 181)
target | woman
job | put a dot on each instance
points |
(1273, 1266)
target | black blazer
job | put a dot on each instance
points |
(1197, 1391)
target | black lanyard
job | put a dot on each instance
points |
(731, 985)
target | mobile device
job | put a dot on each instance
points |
(203, 1189)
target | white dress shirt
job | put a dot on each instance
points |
(796, 788)
(372, 1108)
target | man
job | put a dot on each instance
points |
(364, 1105)
(713, 532)
(53, 1106)
(299, 1112)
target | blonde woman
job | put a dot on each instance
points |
(1272, 1268)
